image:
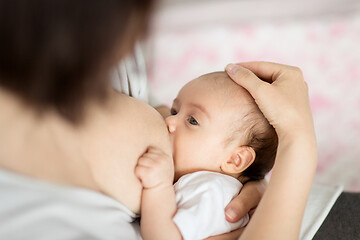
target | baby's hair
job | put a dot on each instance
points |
(251, 126)
(260, 136)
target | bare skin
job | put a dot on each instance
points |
(221, 101)
(284, 101)
(55, 151)
(247, 200)
(99, 154)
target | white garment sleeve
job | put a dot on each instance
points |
(130, 77)
(35, 209)
(201, 199)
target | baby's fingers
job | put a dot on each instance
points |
(153, 150)
(147, 176)
(146, 161)
(141, 171)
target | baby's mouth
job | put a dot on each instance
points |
(173, 154)
(172, 142)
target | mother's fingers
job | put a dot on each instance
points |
(269, 71)
(228, 236)
(245, 78)
(248, 198)
(265, 70)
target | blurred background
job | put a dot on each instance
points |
(191, 37)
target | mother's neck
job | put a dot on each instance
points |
(45, 147)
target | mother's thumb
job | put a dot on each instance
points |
(244, 77)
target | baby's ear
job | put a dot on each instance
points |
(241, 158)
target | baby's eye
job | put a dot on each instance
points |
(193, 121)
(173, 111)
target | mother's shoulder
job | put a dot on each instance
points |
(116, 136)
(140, 117)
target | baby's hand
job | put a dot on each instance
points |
(155, 169)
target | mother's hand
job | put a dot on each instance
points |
(282, 96)
(246, 202)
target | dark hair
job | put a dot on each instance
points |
(261, 136)
(58, 53)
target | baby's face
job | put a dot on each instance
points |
(201, 122)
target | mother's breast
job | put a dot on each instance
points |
(115, 141)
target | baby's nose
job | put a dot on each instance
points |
(171, 123)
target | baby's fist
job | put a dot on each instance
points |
(155, 168)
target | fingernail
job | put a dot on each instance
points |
(232, 68)
(231, 213)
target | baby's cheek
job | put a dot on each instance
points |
(181, 165)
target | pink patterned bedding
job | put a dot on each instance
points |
(326, 49)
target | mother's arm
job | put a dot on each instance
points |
(283, 99)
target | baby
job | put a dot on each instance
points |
(220, 139)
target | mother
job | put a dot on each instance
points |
(65, 135)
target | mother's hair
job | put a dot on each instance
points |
(56, 54)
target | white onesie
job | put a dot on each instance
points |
(201, 199)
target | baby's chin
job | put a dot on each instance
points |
(176, 176)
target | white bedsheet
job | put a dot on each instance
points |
(320, 202)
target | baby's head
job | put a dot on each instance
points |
(217, 126)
